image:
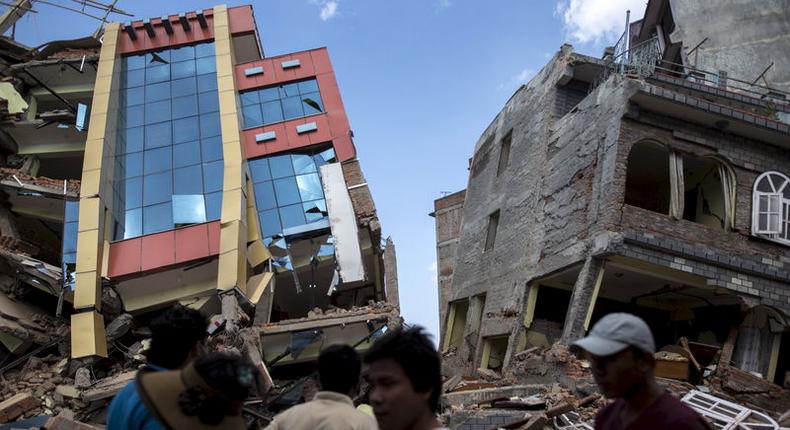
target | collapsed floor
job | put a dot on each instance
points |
(550, 387)
(45, 383)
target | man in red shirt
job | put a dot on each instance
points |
(620, 348)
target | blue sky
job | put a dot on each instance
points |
(420, 80)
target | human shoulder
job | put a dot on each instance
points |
(680, 416)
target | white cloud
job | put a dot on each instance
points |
(597, 20)
(518, 79)
(328, 8)
(443, 4)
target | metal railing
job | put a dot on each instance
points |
(645, 60)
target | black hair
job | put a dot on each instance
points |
(413, 350)
(173, 336)
(231, 375)
(338, 368)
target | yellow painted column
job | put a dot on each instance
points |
(233, 221)
(87, 325)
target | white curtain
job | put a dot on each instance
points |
(678, 191)
(728, 184)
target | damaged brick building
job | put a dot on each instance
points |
(653, 180)
(165, 161)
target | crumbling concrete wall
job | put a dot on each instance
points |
(553, 197)
(449, 215)
(763, 37)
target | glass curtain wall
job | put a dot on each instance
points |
(288, 190)
(168, 165)
(281, 103)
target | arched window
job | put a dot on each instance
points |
(771, 207)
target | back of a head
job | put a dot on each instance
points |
(230, 378)
(338, 368)
(413, 350)
(174, 335)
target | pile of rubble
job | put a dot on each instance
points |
(551, 388)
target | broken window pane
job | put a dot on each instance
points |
(310, 187)
(315, 210)
(303, 163)
(170, 91)
(188, 209)
(278, 103)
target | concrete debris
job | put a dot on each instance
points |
(14, 407)
(554, 384)
(83, 378)
(119, 327)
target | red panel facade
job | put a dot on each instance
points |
(332, 125)
(157, 250)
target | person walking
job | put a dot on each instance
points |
(620, 347)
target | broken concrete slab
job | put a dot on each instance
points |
(108, 387)
(461, 398)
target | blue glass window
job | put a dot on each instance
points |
(157, 135)
(211, 148)
(183, 87)
(169, 153)
(188, 180)
(282, 102)
(157, 160)
(133, 222)
(288, 190)
(185, 106)
(182, 69)
(186, 154)
(157, 92)
(133, 193)
(133, 164)
(186, 129)
(188, 209)
(158, 218)
(157, 188)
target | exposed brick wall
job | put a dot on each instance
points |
(361, 198)
(448, 212)
(747, 158)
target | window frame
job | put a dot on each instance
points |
(491, 230)
(505, 146)
(778, 207)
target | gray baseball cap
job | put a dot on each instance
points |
(615, 332)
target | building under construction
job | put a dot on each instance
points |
(166, 161)
(653, 180)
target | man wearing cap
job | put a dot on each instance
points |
(620, 347)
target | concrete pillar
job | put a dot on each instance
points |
(585, 292)
(391, 273)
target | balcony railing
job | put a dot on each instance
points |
(644, 60)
